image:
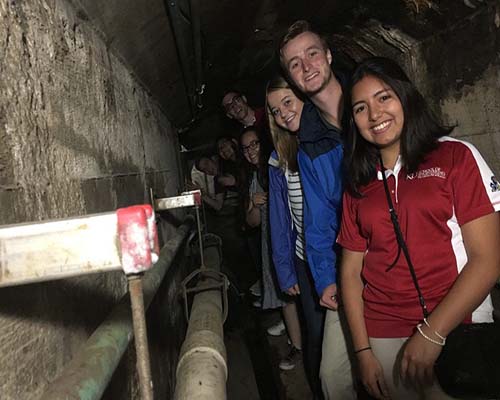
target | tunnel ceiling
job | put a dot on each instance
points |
(238, 39)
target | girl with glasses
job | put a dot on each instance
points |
(256, 206)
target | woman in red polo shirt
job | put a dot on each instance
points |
(446, 199)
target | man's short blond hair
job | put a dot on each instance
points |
(296, 29)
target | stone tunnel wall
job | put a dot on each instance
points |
(463, 63)
(458, 70)
(78, 135)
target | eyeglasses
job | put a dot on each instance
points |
(251, 146)
(234, 101)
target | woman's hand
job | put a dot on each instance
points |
(191, 186)
(294, 290)
(372, 375)
(418, 358)
(259, 198)
(253, 216)
(329, 297)
(480, 237)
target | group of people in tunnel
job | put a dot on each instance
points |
(349, 150)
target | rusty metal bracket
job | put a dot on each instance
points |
(138, 237)
(185, 199)
(216, 280)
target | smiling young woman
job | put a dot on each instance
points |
(378, 114)
(447, 209)
(284, 111)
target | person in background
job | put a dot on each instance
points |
(284, 109)
(203, 177)
(229, 162)
(230, 167)
(255, 196)
(227, 148)
(446, 200)
(236, 108)
(306, 59)
(223, 217)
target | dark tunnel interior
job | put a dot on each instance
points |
(237, 46)
(109, 104)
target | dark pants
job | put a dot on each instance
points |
(313, 316)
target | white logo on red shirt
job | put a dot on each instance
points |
(427, 173)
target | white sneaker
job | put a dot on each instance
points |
(255, 289)
(277, 329)
(257, 303)
(292, 358)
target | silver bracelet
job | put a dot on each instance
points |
(419, 329)
(435, 332)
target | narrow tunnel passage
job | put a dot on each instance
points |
(104, 103)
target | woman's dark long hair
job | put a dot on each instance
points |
(420, 131)
(248, 169)
(229, 166)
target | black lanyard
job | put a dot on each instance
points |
(400, 240)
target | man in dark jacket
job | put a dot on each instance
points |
(306, 59)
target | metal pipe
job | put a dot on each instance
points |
(141, 337)
(183, 45)
(196, 29)
(202, 367)
(87, 375)
(200, 237)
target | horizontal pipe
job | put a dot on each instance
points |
(88, 374)
(202, 367)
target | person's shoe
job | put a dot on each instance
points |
(257, 303)
(255, 289)
(277, 329)
(293, 357)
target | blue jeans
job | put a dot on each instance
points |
(313, 316)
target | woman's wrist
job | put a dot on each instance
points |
(363, 349)
(435, 332)
(431, 336)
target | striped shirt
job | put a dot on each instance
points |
(296, 207)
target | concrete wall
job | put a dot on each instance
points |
(457, 69)
(463, 68)
(78, 135)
